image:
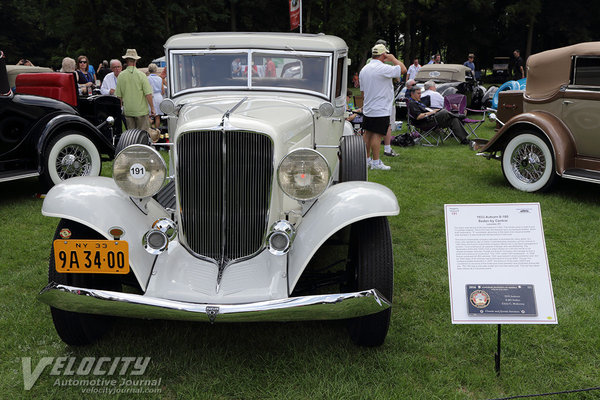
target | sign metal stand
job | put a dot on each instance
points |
(497, 355)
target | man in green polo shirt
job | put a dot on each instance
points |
(135, 93)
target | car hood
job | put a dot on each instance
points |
(277, 117)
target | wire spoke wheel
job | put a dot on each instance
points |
(70, 154)
(528, 162)
(73, 160)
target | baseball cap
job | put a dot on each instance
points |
(379, 49)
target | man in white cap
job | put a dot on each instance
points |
(135, 93)
(376, 83)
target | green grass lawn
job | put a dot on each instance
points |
(424, 356)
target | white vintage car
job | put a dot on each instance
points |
(264, 213)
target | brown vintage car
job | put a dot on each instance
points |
(558, 132)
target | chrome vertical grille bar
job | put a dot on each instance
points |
(225, 186)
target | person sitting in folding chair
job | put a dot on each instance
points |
(435, 99)
(444, 119)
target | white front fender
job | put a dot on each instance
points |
(98, 203)
(340, 206)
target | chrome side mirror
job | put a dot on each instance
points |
(326, 109)
(167, 106)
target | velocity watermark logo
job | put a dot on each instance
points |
(111, 374)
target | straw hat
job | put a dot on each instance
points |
(131, 53)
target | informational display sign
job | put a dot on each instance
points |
(497, 264)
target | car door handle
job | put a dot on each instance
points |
(567, 102)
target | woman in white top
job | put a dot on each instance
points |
(158, 91)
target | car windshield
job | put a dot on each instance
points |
(250, 69)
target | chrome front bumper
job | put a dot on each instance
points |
(316, 307)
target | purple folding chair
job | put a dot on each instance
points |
(457, 104)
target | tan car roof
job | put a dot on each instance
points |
(549, 70)
(243, 40)
(14, 70)
(442, 72)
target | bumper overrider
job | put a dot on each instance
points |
(303, 308)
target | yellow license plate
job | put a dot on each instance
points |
(91, 256)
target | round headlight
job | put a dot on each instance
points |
(303, 174)
(139, 170)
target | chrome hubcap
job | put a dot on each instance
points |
(528, 162)
(73, 160)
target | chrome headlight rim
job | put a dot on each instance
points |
(151, 152)
(290, 154)
(149, 243)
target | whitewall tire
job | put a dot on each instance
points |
(528, 163)
(68, 155)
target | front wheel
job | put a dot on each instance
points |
(78, 329)
(68, 155)
(371, 266)
(528, 164)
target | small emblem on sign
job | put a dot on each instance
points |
(480, 298)
(65, 233)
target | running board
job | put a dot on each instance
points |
(582, 175)
(19, 175)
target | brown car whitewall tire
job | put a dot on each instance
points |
(528, 163)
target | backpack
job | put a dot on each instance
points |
(404, 140)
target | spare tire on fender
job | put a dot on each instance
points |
(132, 136)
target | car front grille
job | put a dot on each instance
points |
(224, 181)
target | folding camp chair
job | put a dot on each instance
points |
(424, 132)
(457, 104)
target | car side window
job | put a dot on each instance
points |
(586, 72)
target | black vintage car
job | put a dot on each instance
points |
(48, 130)
(450, 79)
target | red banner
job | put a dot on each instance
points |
(294, 14)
